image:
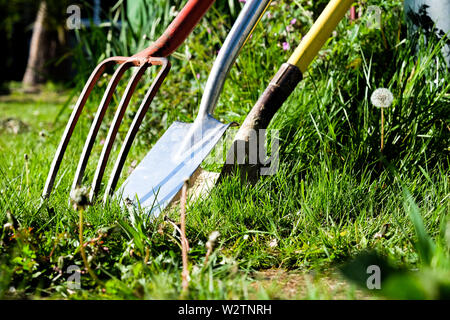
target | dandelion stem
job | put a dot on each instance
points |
(208, 253)
(82, 251)
(184, 241)
(27, 176)
(382, 130)
(147, 255)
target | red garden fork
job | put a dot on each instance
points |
(156, 54)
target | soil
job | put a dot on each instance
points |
(283, 284)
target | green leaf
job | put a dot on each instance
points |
(425, 246)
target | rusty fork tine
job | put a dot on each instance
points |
(131, 134)
(95, 75)
(114, 128)
(95, 126)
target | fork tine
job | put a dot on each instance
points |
(95, 126)
(114, 128)
(95, 75)
(126, 145)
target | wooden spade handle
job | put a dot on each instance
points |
(281, 86)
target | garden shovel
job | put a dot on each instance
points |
(183, 147)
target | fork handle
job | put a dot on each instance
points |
(178, 30)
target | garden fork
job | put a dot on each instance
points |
(155, 55)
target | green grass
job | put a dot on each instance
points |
(333, 192)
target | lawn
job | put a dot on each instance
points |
(335, 206)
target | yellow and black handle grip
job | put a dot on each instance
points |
(290, 73)
(284, 82)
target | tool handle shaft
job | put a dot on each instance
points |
(319, 33)
(278, 90)
(290, 73)
(242, 28)
(178, 30)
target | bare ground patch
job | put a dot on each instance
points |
(283, 284)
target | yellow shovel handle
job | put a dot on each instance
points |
(319, 33)
(284, 82)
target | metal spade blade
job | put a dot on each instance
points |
(175, 157)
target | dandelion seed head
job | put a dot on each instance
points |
(214, 236)
(79, 197)
(8, 226)
(212, 240)
(128, 202)
(382, 98)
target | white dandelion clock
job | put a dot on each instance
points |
(79, 197)
(382, 98)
